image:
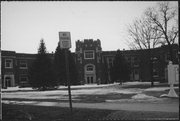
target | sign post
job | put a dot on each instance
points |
(65, 43)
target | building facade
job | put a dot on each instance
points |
(88, 60)
(92, 63)
(15, 68)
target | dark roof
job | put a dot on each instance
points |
(25, 55)
(8, 53)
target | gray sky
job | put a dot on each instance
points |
(23, 24)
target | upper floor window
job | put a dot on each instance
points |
(89, 54)
(8, 63)
(23, 64)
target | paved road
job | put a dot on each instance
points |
(174, 107)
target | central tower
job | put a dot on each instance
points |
(88, 60)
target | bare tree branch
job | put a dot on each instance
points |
(163, 17)
(143, 35)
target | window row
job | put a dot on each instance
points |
(22, 64)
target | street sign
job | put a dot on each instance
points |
(65, 40)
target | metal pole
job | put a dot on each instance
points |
(68, 81)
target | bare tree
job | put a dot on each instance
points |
(164, 18)
(142, 35)
(158, 26)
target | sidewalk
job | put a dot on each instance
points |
(174, 107)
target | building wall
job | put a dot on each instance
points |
(23, 64)
(96, 69)
(17, 73)
(8, 68)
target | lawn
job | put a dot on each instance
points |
(84, 94)
(40, 113)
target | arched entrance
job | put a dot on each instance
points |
(9, 81)
(90, 74)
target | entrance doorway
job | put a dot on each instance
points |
(89, 74)
(7, 82)
(89, 79)
(136, 75)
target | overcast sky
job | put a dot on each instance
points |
(24, 24)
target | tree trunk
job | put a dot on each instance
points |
(171, 52)
(151, 68)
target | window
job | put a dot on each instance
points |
(80, 59)
(175, 52)
(89, 68)
(79, 55)
(23, 78)
(8, 63)
(136, 72)
(110, 62)
(80, 50)
(155, 73)
(136, 62)
(23, 64)
(135, 59)
(89, 54)
(167, 56)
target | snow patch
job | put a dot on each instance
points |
(138, 83)
(159, 88)
(143, 96)
(137, 98)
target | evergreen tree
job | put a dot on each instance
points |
(41, 74)
(105, 72)
(120, 70)
(59, 67)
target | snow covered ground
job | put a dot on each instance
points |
(29, 93)
(63, 94)
(159, 88)
(61, 87)
(81, 86)
(138, 83)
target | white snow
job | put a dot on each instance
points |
(16, 89)
(14, 92)
(60, 87)
(63, 94)
(29, 93)
(159, 88)
(139, 83)
(143, 96)
(137, 98)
